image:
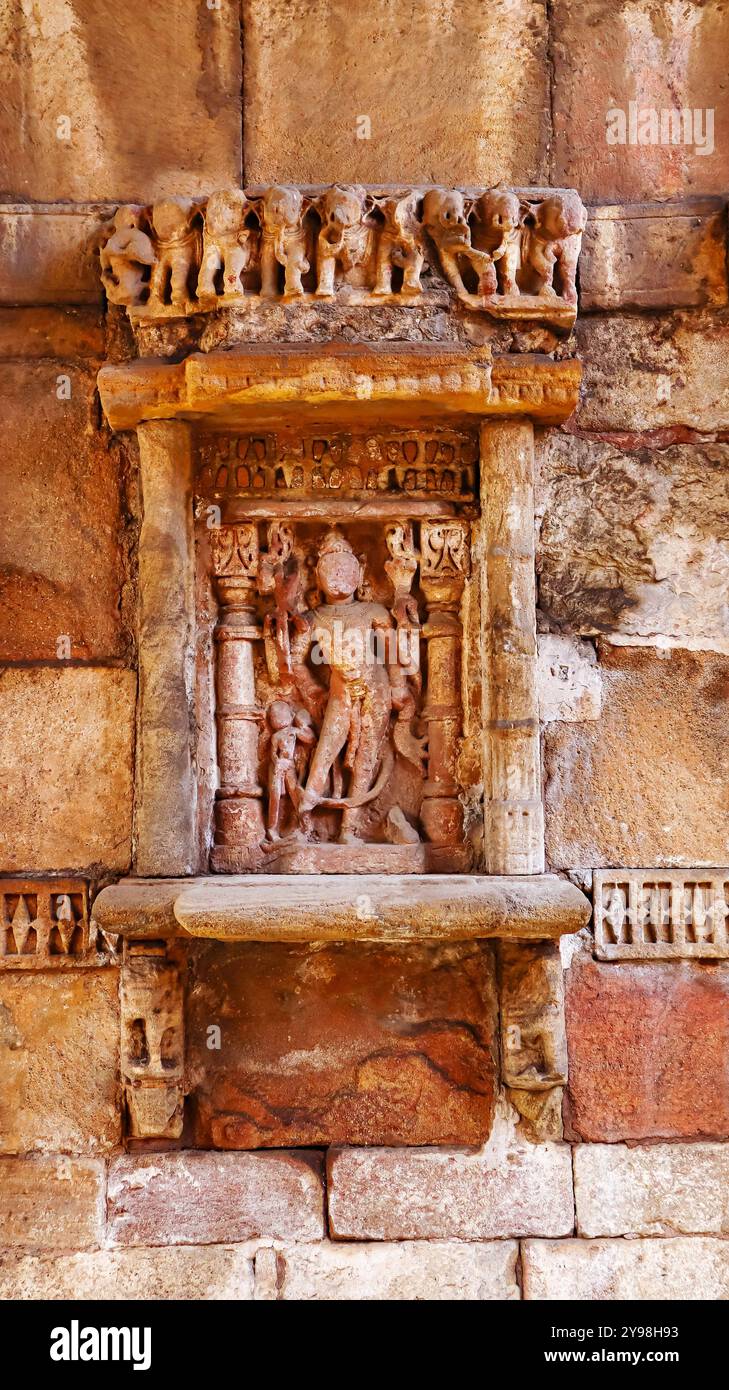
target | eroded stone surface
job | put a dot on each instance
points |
(85, 117)
(635, 545)
(509, 1189)
(62, 519)
(682, 1268)
(59, 1058)
(195, 1198)
(66, 739)
(647, 1050)
(652, 1190)
(568, 680)
(213, 1272)
(661, 58)
(647, 783)
(357, 1044)
(653, 372)
(51, 1203)
(481, 80)
(408, 1270)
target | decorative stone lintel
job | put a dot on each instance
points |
(344, 907)
(265, 386)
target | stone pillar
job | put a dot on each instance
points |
(239, 825)
(444, 565)
(166, 791)
(514, 813)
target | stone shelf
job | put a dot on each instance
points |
(344, 907)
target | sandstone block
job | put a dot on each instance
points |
(647, 1050)
(409, 1270)
(85, 116)
(65, 743)
(53, 1097)
(654, 255)
(662, 58)
(339, 1043)
(647, 784)
(198, 1198)
(634, 544)
(588, 1270)
(62, 561)
(389, 1194)
(480, 74)
(644, 372)
(46, 255)
(211, 1272)
(51, 1203)
(652, 1190)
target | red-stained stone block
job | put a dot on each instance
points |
(648, 1051)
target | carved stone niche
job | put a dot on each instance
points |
(338, 735)
(341, 564)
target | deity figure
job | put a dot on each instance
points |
(290, 729)
(357, 641)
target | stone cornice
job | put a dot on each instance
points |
(406, 383)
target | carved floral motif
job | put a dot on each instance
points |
(507, 254)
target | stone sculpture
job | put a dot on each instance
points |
(510, 256)
(283, 241)
(227, 243)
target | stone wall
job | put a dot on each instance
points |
(632, 521)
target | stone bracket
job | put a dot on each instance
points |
(152, 1041)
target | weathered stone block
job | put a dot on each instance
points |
(66, 740)
(46, 253)
(196, 1198)
(663, 59)
(62, 561)
(661, 914)
(648, 782)
(51, 1203)
(59, 1058)
(48, 331)
(85, 118)
(212, 1273)
(634, 544)
(386, 1194)
(590, 1270)
(357, 1044)
(480, 73)
(647, 1050)
(568, 680)
(644, 372)
(652, 1190)
(409, 1270)
(654, 255)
